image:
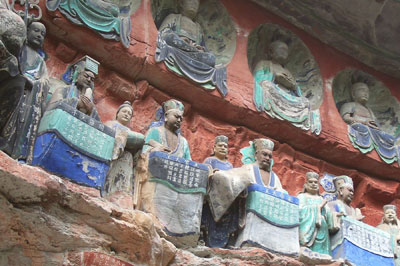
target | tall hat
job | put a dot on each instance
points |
(310, 175)
(263, 144)
(344, 178)
(389, 207)
(221, 138)
(85, 63)
(172, 104)
(125, 104)
(166, 106)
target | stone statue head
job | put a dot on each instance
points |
(220, 147)
(173, 110)
(173, 119)
(390, 216)
(35, 35)
(124, 113)
(360, 92)
(278, 51)
(346, 193)
(85, 79)
(263, 155)
(311, 185)
(189, 8)
(341, 179)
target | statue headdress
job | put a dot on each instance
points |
(85, 63)
(221, 138)
(125, 104)
(249, 153)
(165, 107)
(389, 207)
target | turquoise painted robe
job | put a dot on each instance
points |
(159, 135)
(317, 239)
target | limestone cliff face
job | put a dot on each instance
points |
(46, 220)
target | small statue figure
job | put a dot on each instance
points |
(342, 204)
(226, 186)
(79, 94)
(390, 223)
(165, 135)
(277, 93)
(364, 131)
(102, 16)
(218, 159)
(21, 128)
(316, 219)
(220, 234)
(119, 179)
(357, 111)
(12, 83)
(181, 44)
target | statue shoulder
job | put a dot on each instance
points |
(169, 21)
(347, 108)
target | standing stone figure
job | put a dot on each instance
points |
(316, 219)
(165, 136)
(228, 185)
(390, 223)
(342, 204)
(277, 93)
(218, 234)
(364, 130)
(181, 44)
(21, 129)
(79, 94)
(119, 179)
(167, 183)
(12, 82)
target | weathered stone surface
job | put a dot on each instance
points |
(44, 217)
(366, 30)
(246, 256)
(237, 109)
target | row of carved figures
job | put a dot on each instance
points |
(156, 169)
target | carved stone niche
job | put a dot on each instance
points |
(303, 68)
(383, 104)
(385, 109)
(219, 39)
(109, 18)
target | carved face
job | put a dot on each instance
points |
(124, 115)
(279, 51)
(360, 93)
(390, 216)
(221, 150)
(189, 8)
(173, 119)
(312, 185)
(346, 194)
(85, 80)
(36, 34)
(263, 158)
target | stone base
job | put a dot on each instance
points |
(178, 213)
(359, 256)
(260, 233)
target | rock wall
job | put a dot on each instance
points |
(53, 220)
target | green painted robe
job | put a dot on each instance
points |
(317, 239)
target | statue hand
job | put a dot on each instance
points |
(323, 203)
(88, 104)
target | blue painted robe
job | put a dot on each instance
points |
(218, 233)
